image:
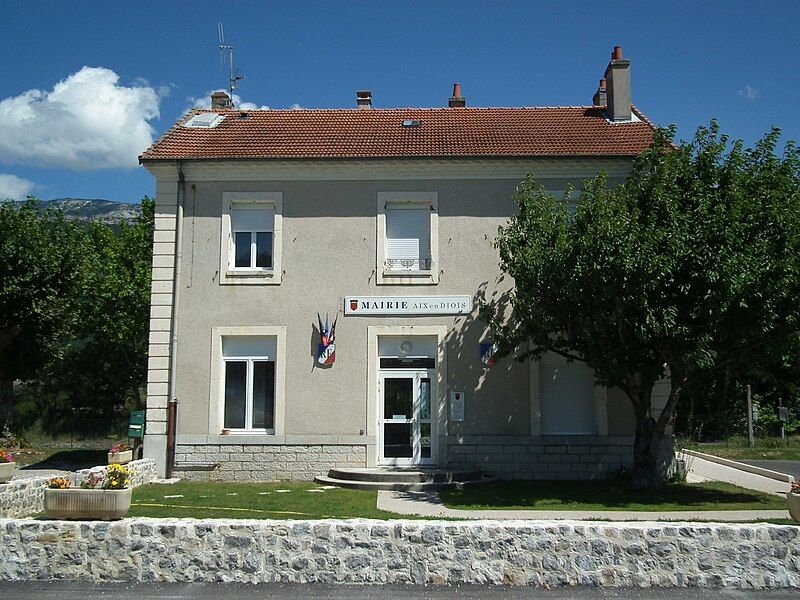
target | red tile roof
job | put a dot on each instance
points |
(379, 133)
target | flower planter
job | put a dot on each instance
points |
(7, 471)
(120, 458)
(76, 503)
(793, 500)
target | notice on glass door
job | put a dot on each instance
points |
(457, 406)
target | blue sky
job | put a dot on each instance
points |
(150, 61)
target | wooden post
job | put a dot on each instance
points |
(750, 437)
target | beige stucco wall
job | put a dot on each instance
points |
(329, 247)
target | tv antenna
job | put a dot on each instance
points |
(224, 48)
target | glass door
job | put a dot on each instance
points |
(406, 417)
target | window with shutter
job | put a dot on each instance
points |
(252, 229)
(408, 237)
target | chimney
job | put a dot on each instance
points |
(457, 100)
(599, 98)
(221, 100)
(364, 99)
(618, 78)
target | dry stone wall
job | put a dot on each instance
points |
(360, 551)
(23, 497)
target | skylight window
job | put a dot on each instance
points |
(412, 123)
(204, 121)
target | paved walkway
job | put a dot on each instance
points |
(705, 470)
(790, 467)
(429, 504)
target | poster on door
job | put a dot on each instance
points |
(457, 406)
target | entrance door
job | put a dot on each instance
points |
(406, 416)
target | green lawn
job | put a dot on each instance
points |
(607, 495)
(254, 501)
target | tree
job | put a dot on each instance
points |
(40, 271)
(103, 365)
(688, 267)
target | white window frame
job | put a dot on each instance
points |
(248, 404)
(229, 274)
(387, 276)
(216, 419)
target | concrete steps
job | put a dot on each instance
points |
(402, 479)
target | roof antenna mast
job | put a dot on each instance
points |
(234, 75)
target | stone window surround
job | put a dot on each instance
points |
(229, 276)
(216, 402)
(387, 277)
(440, 401)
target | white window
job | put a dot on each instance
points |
(407, 238)
(248, 383)
(251, 238)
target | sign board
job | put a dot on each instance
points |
(457, 406)
(407, 305)
(783, 414)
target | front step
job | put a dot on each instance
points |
(396, 486)
(407, 475)
(402, 479)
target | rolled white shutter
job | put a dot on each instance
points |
(408, 232)
(252, 218)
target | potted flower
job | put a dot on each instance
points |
(793, 500)
(7, 466)
(120, 454)
(104, 497)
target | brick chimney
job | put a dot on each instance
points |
(221, 100)
(364, 99)
(618, 87)
(457, 100)
(599, 98)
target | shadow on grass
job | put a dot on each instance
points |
(70, 460)
(599, 495)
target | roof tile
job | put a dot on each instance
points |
(378, 133)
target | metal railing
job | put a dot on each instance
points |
(409, 264)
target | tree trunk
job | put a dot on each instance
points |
(646, 454)
(6, 402)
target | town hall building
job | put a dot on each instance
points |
(316, 282)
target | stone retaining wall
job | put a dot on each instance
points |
(541, 457)
(537, 553)
(260, 462)
(23, 497)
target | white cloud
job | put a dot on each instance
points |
(205, 102)
(14, 188)
(295, 106)
(86, 122)
(749, 93)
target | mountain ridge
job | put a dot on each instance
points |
(98, 210)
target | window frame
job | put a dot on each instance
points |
(388, 276)
(249, 361)
(216, 421)
(229, 272)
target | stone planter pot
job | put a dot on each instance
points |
(7, 471)
(103, 505)
(793, 500)
(120, 458)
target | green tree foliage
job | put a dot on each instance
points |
(41, 275)
(692, 265)
(102, 368)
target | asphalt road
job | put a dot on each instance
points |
(790, 467)
(150, 591)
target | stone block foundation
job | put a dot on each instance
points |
(264, 462)
(540, 457)
(534, 553)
